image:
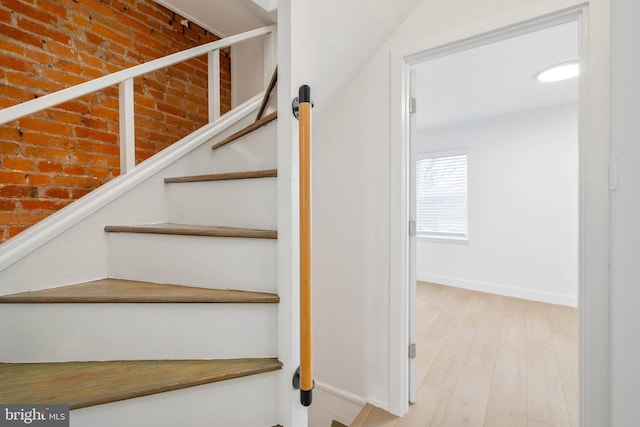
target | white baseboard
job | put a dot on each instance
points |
(493, 288)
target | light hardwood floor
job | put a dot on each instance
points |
(492, 361)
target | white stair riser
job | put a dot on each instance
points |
(208, 262)
(257, 150)
(250, 203)
(241, 402)
(90, 332)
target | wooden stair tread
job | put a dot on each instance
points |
(242, 132)
(267, 173)
(130, 291)
(193, 230)
(82, 384)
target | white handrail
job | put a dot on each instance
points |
(33, 106)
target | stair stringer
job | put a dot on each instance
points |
(71, 246)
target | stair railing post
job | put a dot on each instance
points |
(127, 127)
(213, 60)
(306, 382)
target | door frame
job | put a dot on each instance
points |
(593, 254)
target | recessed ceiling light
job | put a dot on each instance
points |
(558, 72)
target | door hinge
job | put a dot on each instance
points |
(412, 228)
(412, 351)
(412, 105)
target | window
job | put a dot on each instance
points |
(441, 199)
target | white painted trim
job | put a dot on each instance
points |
(127, 127)
(399, 273)
(342, 394)
(52, 226)
(33, 106)
(498, 289)
(594, 197)
(213, 83)
(594, 151)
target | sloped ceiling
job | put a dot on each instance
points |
(346, 34)
(222, 17)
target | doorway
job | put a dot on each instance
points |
(499, 151)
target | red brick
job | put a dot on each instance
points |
(91, 147)
(32, 83)
(41, 30)
(46, 126)
(111, 35)
(18, 64)
(39, 179)
(74, 170)
(12, 177)
(170, 109)
(7, 205)
(75, 181)
(34, 138)
(12, 32)
(53, 8)
(89, 159)
(69, 67)
(9, 46)
(64, 116)
(21, 8)
(75, 106)
(81, 21)
(45, 153)
(106, 113)
(61, 50)
(43, 205)
(48, 166)
(14, 231)
(96, 135)
(5, 16)
(15, 93)
(17, 164)
(8, 147)
(57, 192)
(65, 79)
(17, 191)
(99, 172)
(40, 56)
(113, 162)
(95, 39)
(80, 192)
(96, 6)
(23, 218)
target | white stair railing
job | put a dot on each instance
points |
(124, 79)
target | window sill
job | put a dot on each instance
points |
(456, 240)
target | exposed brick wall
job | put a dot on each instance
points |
(51, 158)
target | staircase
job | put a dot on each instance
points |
(182, 330)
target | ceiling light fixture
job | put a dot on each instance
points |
(559, 72)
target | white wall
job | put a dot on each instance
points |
(625, 212)
(247, 70)
(356, 143)
(523, 206)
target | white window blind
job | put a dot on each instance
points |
(442, 195)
